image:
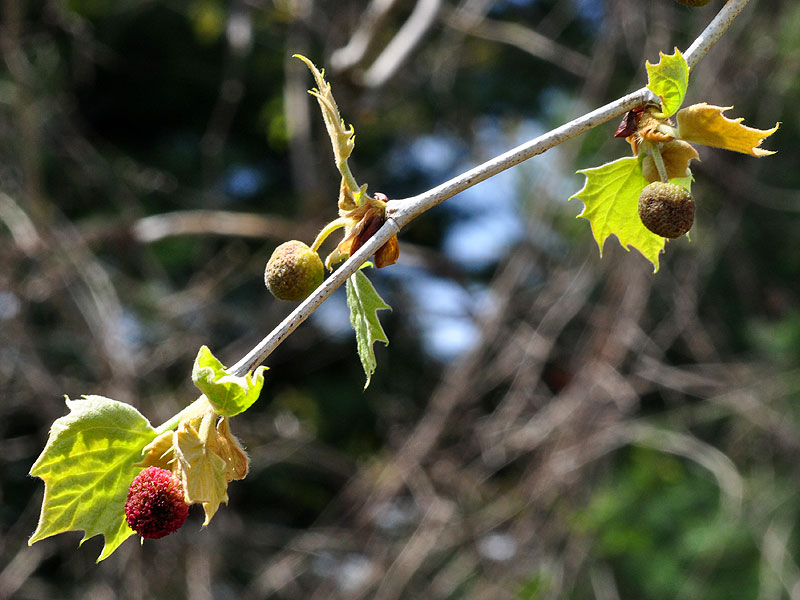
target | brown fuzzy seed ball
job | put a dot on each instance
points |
(293, 271)
(666, 209)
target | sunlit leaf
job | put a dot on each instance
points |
(343, 138)
(611, 199)
(364, 303)
(87, 465)
(704, 124)
(668, 80)
(228, 394)
(201, 471)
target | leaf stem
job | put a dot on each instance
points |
(658, 160)
(195, 407)
(349, 180)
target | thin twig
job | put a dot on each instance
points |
(709, 36)
(526, 39)
(401, 212)
(369, 27)
(209, 222)
(402, 45)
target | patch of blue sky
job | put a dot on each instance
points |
(433, 155)
(244, 181)
(10, 305)
(442, 296)
(488, 215)
(333, 315)
(479, 243)
(495, 194)
(550, 167)
(447, 338)
(442, 310)
(501, 6)
(491, 135)
(130, 331)
(592, 11)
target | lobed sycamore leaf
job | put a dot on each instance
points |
(684, 182)
(668, 80)
(87, 465)
(704, 124)
(364, 303)
(611, 200)
(228, 394)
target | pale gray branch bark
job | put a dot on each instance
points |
(401, 212)
(524, 38)
(398, 50)
(209, 222)
(369, 23)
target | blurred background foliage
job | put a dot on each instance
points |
(544, 424)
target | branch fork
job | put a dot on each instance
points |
(401, 212)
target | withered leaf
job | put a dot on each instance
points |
(704, 124)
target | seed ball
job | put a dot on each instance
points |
(666, 209)
(293, 271)
(694, 2)
(155, 506)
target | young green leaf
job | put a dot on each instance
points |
(668, 80)
(611, 198)
(364, 303)
(87, 465)
(202, 471)
(343, 139)
(228, 394)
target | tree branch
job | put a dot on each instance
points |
(526, 39)
(401, 212)
(402, 45)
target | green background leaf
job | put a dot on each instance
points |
(87, 465)
(668, 80)
(228, 394)
(611, 204)
(364, 303)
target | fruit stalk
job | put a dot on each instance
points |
(655, 152)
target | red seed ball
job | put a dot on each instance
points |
(155, 506)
